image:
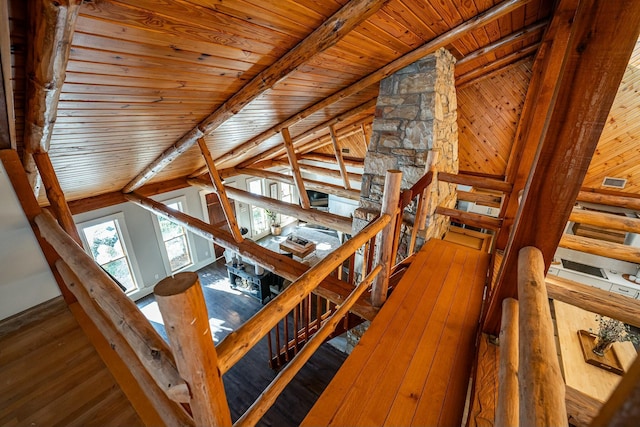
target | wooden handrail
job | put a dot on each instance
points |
(606, 220)
(542, 389)
(409, 194)
(149, 347)
(171, 413)
(235, 345)
(600, 247)
(470, 218)
(476, 182)
(271, 393)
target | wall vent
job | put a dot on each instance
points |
(345, 150)
(614, 182)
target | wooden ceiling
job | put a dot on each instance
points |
(143, 73)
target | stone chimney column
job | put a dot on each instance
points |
(415, 113)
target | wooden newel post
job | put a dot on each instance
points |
(186, 321)
(390, 200)
(542, 389)
(508, 400)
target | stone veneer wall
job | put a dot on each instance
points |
(415, 113)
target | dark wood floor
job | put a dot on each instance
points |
(244, 382)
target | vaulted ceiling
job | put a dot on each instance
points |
(144, 73)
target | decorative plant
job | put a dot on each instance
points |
(610, 331)
(273, 218)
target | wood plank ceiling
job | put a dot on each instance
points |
(142, 73)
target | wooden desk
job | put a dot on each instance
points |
(587, 386)
(298, 246)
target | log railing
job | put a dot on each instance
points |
(121, 322)
(540, 386)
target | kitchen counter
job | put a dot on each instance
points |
(614, 282)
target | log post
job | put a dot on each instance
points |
(52, 24)
(55, 195)
(507, 408)
(150, 348)
(170, 412)
(220, 191)
(542, 389)
(186, 321)
(390, 200)
(295, 169)
(338, 152)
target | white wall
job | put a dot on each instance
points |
(146, 246)
(25, 277)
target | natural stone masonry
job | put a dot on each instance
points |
(415, 113)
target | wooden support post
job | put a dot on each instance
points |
(55, 195)
(52, 24)
(338, 152)
(507, 408)
(152, 351)
(572, 129)
(297, 177)
(220, 191)
(170, 412)
(542, 389)
(390, 200)
(186, 321)
(271, 393)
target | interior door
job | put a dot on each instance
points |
(216, 217)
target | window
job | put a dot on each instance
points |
(286, 195)
(175, 240)
(259, 221)
(104, 239)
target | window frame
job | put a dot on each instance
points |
(125, 241)
(182, 200)
(254, 234)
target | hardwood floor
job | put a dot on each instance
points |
(228, 309)
(412, 366)
(51, 375)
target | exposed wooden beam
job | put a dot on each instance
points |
(602, 40)
(310, 184)
(515, 37)
(539, 102)
(318, 157)
(326, 35)
(310, 145)
(593, 299)
(55, 195)
(338, 152)
(601, 247)
(442, 40)
(629, 202)
(332, 173)
(331, 288)
(480, 198)
(316, 130)
(295, 169)
(475, 182)
(470, 218)
(313, 216)
(7, 110)
(52, 23)
(117, 197)
(486, 69)
(606, 220)
(218, 188)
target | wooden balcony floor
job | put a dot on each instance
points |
(413, 364)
